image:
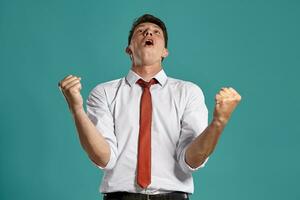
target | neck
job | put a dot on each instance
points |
(146, 72)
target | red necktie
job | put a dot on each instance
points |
(144, 146)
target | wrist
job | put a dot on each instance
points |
(219, 122)
(77, 110)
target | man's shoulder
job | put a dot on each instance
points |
(183, 84)
(108, 85)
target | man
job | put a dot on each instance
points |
(146, 131)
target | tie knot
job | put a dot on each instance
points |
(145, 84)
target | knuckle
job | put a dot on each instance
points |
(63, 85)
(237, 99)
(230, 88)
(70, 75)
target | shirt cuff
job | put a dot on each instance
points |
(188, 167)
(109, 165)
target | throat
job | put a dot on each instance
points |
(146, 72)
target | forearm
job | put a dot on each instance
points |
(204, 144)
(92, 142)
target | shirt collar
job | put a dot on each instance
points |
(132, 77)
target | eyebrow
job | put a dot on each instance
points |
(142, 25)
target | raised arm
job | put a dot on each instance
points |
(92, 142)
(225, 102)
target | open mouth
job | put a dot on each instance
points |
(149, 42)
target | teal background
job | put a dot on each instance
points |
(252, 46)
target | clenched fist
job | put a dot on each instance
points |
(70, 87)
(226, 101)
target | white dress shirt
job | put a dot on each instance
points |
(179, 115)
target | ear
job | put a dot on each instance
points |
(128, 50)
(165, 53)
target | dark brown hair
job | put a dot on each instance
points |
(152, 19)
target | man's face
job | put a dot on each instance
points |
(147, 44)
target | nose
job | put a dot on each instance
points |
(148, 32)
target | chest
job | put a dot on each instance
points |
(167, 110)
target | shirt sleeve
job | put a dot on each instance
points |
(99, 113)
(193, 123)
